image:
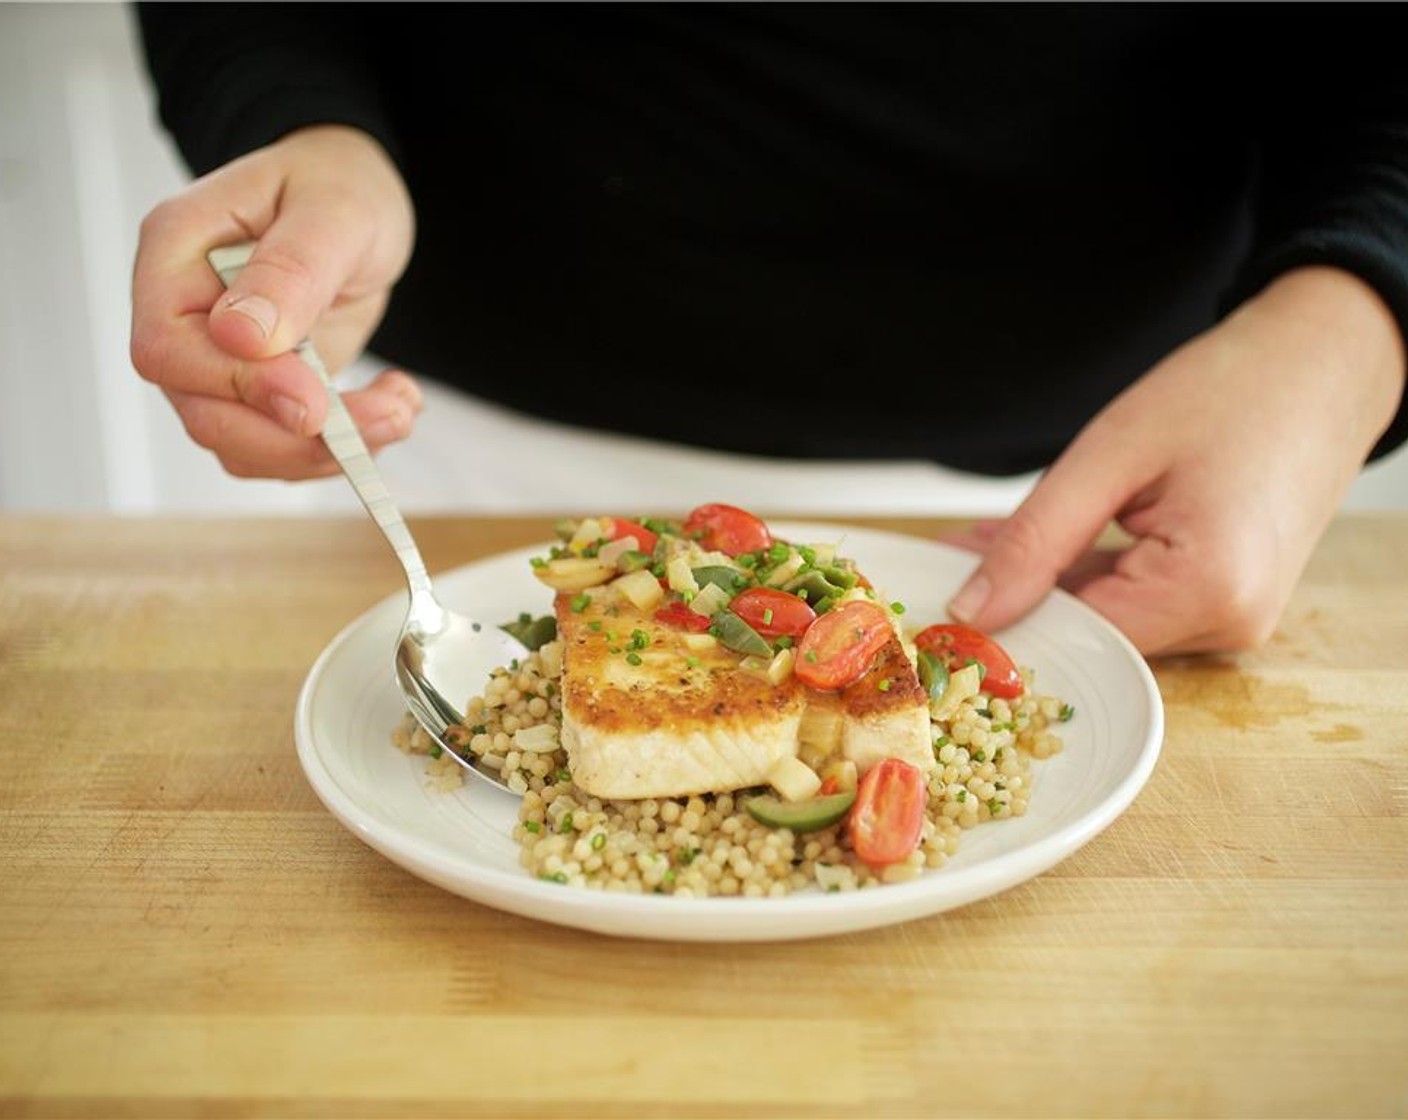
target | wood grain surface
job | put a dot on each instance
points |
(185, 931)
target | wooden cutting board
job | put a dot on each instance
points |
(185, 931)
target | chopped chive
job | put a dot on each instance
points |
(565, 825)
(532, 826)
(633, 658)
(982, 669)
(884, 685)
(1067, 712)
(897, 607)
(598, 841)
(811, 656)
(581, 602)
(767, 617)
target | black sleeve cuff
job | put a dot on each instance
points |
(1332, 130)
(231, 77)
(1373, 258)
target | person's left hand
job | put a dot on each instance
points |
(1224, 463)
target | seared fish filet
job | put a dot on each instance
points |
(649, 711)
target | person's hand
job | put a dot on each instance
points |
(1224, 464)
(334, 229)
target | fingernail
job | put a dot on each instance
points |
(970, 598)
(388, 429)
(292, 414)
(257, 310)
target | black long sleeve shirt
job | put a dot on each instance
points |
(946, 232)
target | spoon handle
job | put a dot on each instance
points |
(342, 438)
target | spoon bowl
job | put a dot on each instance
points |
(441, 658)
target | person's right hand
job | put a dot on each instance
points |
(334, 228)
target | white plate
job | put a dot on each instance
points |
(461, 841)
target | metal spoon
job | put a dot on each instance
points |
(440, 655)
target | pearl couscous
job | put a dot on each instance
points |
(710, 845)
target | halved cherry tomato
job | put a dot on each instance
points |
(840, 646)
(773, 613)
(615, 528)
(955, 645)
(887, 818)
(727, 529)
(677, 614)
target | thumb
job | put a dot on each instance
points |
(1059, 521)
(298, 268)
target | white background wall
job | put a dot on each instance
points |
(81, 160)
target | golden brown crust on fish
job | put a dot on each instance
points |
(668, 683)
(890, 685)
(646, 715)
